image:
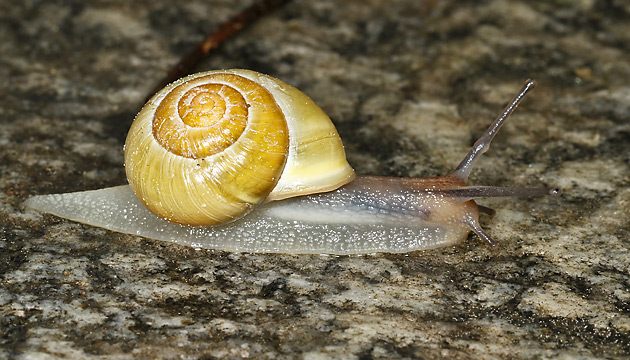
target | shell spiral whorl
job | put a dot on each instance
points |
(208, 148)
(209, 118)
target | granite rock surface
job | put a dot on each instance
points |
(410, 85)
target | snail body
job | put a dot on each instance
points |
(201, 191)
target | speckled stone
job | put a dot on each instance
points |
(410, 85)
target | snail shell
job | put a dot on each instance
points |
(210, 147)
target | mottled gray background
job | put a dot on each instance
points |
(410, 85)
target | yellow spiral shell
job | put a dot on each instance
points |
(208, 148)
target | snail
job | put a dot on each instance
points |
(239, 161)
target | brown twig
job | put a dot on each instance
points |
(240, 21)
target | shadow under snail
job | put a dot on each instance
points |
(239, 161)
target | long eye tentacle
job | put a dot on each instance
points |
(483, 143)
(475, 192)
